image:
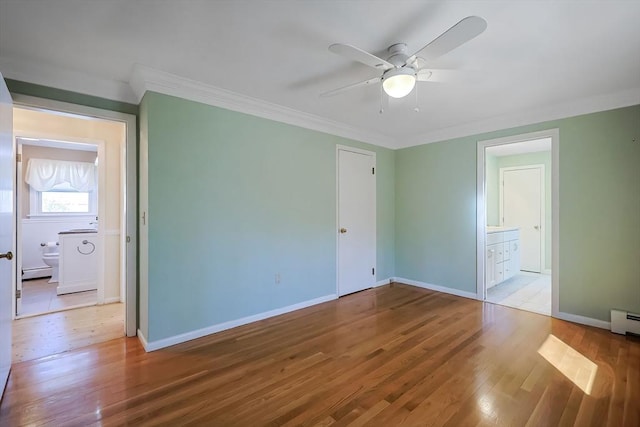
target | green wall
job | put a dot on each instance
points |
(235, 199)
(493, 165)
(46, 92)
(599, 211)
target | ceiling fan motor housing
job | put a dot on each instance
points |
(398, 54)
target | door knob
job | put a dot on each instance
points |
(343, 230)
(537, 227)
(8, 256)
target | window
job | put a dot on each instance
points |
(61, 188)
(64, 202)
(61, 200)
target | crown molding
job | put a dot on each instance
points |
(573, 108)
(66, 79)
(145, 79)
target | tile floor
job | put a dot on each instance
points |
(39, 296)
(526, 291)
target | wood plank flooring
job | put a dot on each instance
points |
(48, 334)
(394, 355)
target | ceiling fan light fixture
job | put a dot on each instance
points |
(399, 82)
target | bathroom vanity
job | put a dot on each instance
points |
(502, 254)
(78, 269)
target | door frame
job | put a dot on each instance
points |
(337, 223)
(543, 207)
(128, 218)
(481, 210)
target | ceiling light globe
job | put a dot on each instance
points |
(399, 84)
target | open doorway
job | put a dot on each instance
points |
(56, 203)
(516, 227)
(75, 236)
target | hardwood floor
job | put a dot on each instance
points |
(394, 355)
(48, 334)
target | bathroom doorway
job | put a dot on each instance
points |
(56, 202)
(87, 228)
(517, 226)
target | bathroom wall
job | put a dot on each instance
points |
(599, 211)
(38, 124)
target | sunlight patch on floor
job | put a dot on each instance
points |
(573, 365)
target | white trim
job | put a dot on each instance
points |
(437, 288)
(543, 206)
(112, 232)
(72, 80)
(481, 222)
(112, 300)
(382, 283)
(589, 321)
(145, 79)
(540, 114)
(143, 341)
(128, 187)
(198, 333)
(339, 148)
(546, 271)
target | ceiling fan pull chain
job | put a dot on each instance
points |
(381, 100)
(417, 109)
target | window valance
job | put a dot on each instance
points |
(45, 175)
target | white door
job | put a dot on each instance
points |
(522, 190)
(7, 219)
(356, 220)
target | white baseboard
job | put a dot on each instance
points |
(111, 300)
(546, 271)
(382, 283)
(36, 273)
(188, 336)
(575, 318)
(143, 340)
(437, 288)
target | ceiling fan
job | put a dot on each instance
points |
(400, 71)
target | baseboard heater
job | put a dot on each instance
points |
(623, 322)
(36, 273)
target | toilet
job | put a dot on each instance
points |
(51, 257)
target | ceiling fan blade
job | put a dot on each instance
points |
(462, 32)
(351, 86)
(360, 55)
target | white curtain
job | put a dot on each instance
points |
(44, 174)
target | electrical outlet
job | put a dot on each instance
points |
(277, 278)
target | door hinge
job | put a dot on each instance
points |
(373, 271)
(373, 171)
(18, 157)
(18, 293)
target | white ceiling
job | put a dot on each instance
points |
(537, 60)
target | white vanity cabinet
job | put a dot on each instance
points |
(502, 254)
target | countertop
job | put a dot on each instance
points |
(493, 229)
(79, 231)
